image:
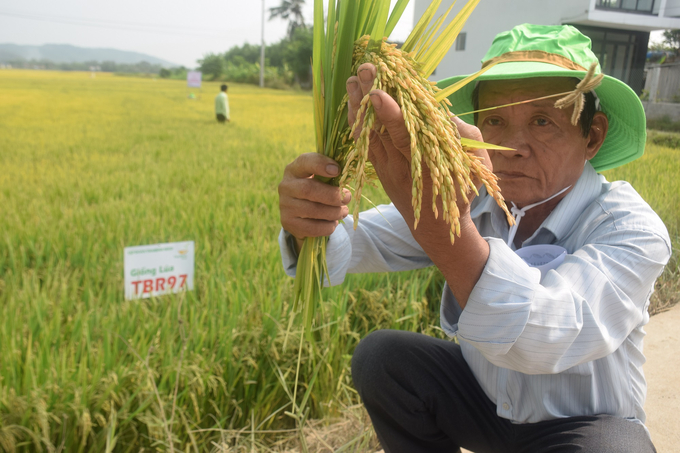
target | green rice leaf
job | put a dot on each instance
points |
(426, 38)
(444, 42)
(421, 50)
(382, 11)
(342, 66)
(317, 76)
(474, 144)
(395, 15)
(421, 26)
(330, 34)
(365, 18)
(449, 90)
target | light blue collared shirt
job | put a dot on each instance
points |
(565, 344)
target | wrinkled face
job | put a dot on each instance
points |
(549, 152)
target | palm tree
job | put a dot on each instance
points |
(292, 10)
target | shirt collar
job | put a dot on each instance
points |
(561, 219)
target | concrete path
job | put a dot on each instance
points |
(662, 349)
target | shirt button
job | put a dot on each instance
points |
(506, 406)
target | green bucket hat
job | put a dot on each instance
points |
(562, 51)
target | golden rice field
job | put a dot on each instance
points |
(89, 166)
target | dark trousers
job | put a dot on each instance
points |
(422, 397)
(221, 118)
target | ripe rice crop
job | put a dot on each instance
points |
(90, 166)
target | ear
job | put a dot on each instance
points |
(597, 134)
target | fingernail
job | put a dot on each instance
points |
(352, 85)
(332, 169)
(376, 101)
(365, 75)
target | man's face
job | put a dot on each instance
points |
(549, 152)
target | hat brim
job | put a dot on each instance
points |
(627, 132)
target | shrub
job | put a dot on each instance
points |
(665, 123)
(666, 139)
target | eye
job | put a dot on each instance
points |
(541, 121)
(492, 121)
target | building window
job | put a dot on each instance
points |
(460, 41)
(622, 53)
(630, 6)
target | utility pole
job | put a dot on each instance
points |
(262, 51)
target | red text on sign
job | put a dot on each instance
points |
(160, 284)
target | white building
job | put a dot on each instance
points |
(619, 30)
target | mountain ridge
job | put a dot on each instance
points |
(67, 53)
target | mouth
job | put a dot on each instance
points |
(506, 175)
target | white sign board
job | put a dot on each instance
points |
(154, 270)
(194, 79)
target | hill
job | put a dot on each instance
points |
(66, 53)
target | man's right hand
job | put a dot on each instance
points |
(309, 207)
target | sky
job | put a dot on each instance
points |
(179, 31)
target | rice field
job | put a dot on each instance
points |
(89, 166)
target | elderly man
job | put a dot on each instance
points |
(547, 359)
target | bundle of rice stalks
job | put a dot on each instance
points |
(435, 140)
(356, 33)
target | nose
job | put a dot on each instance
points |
(513, 138)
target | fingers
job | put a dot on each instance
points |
(357, 87)
(354, 94)
(304, 218)
(366, 74)
(389, 121)
(467, 130)
(314, 191)
(309, 164)
(309, 207)
(300, 208)
(390, 138)
(472, 132)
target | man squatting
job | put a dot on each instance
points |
(546, 361)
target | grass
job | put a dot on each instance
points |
(90, 166)
(654, 176)
(664, 139)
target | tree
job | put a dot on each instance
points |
(249, 52)
(672, 39)
(670, 43)
(298, 54)
(212, 65)
(291, 10)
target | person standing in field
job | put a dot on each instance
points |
(222, 105)
(547, 359)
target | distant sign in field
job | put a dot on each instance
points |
(194, 79)
(154, 270)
